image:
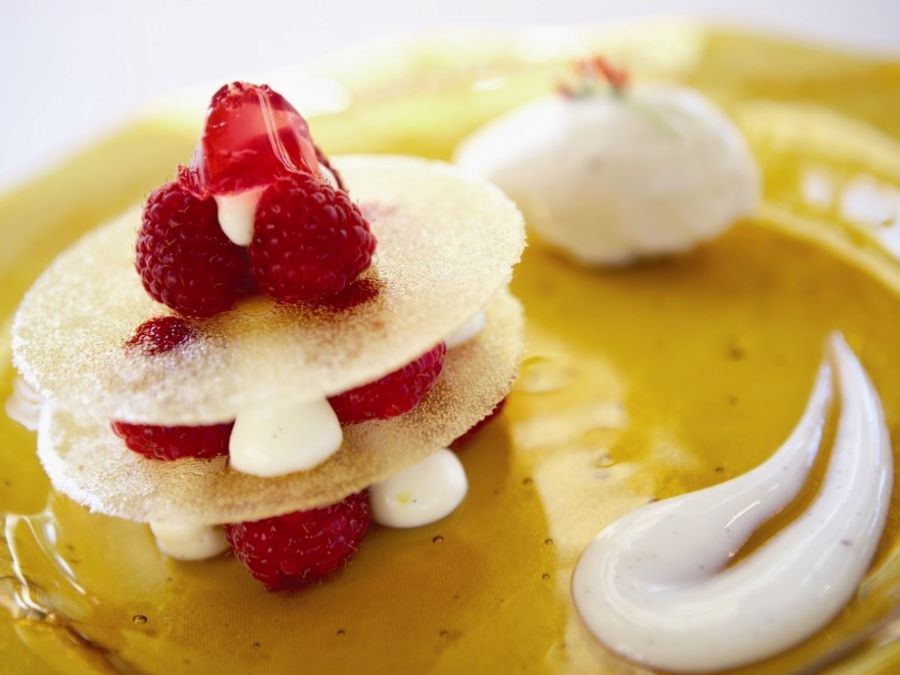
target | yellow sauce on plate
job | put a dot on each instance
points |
(638, 384)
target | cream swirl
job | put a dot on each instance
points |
(655, 586)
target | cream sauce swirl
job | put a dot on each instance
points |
(655, 587)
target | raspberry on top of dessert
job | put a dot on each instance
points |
(252, 137)
(252, 213)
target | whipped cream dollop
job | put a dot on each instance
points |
(236, 213)
(24, 404)
(422, 493)
(610, 178)
(277, 437)
(189, 541)
(468, 331)
(655, 587)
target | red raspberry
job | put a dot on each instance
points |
(394, 394)
(252, 137)
(165, 443)
(184, 259)
(309, 240)
(160, 334)
(358, 293)
(303, 547)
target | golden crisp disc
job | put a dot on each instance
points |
(90, 464)
(447, 243)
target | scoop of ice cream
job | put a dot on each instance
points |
(610, 178)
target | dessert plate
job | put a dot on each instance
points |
(639, 384)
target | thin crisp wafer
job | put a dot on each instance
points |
(447, 243)
(86, 461)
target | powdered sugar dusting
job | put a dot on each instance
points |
(86, 461)
(446, 243)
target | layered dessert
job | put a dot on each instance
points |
(276, 349)
(674, 482)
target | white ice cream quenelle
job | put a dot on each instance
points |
(610, 178)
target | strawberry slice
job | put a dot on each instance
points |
(253, 136)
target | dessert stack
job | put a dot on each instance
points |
(277, 348)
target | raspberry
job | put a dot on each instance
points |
(303, 547)
(252, 137)
(165, 443)
(358, 293)
(160, 334)
(309, 240)
(394, 394)
(184, 259)
(471, 433)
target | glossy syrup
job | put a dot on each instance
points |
(639, 384)
(641, 395)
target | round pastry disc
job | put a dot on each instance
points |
(90, 464)
(447, 243)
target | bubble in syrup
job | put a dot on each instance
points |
(603, 461)
(544, 374)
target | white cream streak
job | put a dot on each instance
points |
(654, 586)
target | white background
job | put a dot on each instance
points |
(71, 68)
